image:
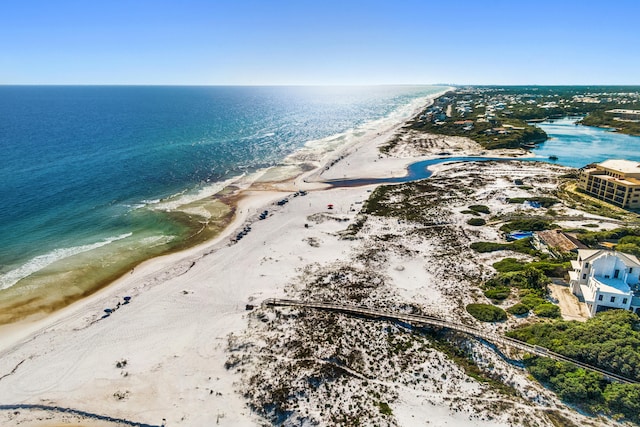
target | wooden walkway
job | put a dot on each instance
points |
(422, 321)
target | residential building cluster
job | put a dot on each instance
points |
(484, 104)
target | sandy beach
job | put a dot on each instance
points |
(180, 348)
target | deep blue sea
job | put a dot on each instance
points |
(80, 164)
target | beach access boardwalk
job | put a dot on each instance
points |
(420, 321)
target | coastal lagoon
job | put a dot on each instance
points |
(577, 146)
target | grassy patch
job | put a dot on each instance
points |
(547, 309)
(527, 225)
(590, 225)
(487, 312)
(532, 300)
(518, 309)
(480, 209)
(414, 201)
(532, 286)
(477, 222)
(529, 278)
(498, 293)
(522, 246)
(550, 269)
(508, 264)
(385, 409)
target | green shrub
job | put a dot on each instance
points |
(518, 309)
(529, 278)
(483, 247)
(545, 202)
(508, 264)
(498, 293)
(532, 301)
(527, 225)
(547, 310)
(629, 245)
(480, 208)
(522, 246)
(591, 238)
(385, 409)
(487, 312)
(476, 221)
(571, 175)
(610, 340)
(551, 269)
(468, 212)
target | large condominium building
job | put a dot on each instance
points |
(614, 181)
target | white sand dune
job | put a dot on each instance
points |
(160, 358)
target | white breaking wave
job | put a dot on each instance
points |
(180, 199)
(41, 261)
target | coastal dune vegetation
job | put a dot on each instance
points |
(408, 248)
(341, 356)
(610, 340)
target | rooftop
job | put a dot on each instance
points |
(590, 254)
(621, 165)
(557, 239)
(611, 286)
(623, 111)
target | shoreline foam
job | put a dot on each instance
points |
(193, 208)
(288, 176)
(175, 333)
(207, 284)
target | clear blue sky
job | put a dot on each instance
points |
(319, 42)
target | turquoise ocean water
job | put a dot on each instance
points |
(83, 167)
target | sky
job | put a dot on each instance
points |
(327, 42)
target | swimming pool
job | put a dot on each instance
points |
(517, 235)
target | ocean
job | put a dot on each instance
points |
(92, 177)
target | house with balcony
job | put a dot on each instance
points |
(606, 280)
(614, 181)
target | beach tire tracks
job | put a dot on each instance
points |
(77, 412)
(13, 371)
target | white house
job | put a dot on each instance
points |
(606, 280)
